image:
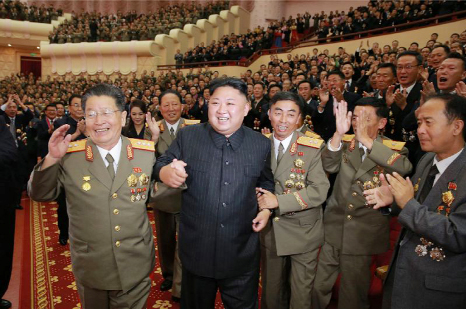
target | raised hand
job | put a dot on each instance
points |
(58, 146)
(153, 127)
(381, 196)
(402, 189)
(400, 98)
(265, 131)
(324, 95)
(427, 90)
(390, 95)
(461, 89)
(337, 94)
(342, 118)
(361, 130)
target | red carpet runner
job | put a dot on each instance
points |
(52, 283)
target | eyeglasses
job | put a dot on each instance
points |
(407, 67)
(108, 113)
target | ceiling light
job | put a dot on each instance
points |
(9, 45)
(38, 47)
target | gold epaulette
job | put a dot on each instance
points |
(159, 123)
(76, 146)
(312, 134)
(142, 144)
(348, 137)
(394, 145)
(189, 122)
(310, 142)
(268, 135)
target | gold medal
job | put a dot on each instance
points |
(289, 183)
(86, 186)
(299, 185)
(292, 176)
(133, 198)
(416, 186)
(298, 163)
(448, 198)
(345, 158)
(132, 180)
(144, 179)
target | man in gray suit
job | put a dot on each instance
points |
(107, 181)
(428, 269)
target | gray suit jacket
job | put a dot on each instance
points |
(419, 281)
(111, 240)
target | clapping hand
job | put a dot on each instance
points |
(401, 188)
(380, 196)
(153, 127)
(461, 89)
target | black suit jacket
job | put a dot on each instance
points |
(21, 120)
(216, 239)
(43, 137)
(254, 112)
(324, 123)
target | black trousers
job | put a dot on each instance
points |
(7, 238)
(62, 213)
(238, 292)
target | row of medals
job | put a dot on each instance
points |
(138, 193)
(296, 174)
(436, 253)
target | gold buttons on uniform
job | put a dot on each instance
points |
(117, 228)
(358, 182)
(276, 219)
(116, 211)
(349, 217)
(350, 206)
(114, 195)
(354, 194)
(117, 243)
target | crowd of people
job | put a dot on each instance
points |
(18, 10)
(95, 26)
(404, 93)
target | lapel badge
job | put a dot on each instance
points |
(298, 163)
(137, 169)
(299, 185)
(143, 196)
(452, 186)
(144, 179)
(133, 197)
(352, 145)
(416, 186)
(421, 250)
(292, 176)
(130, 152)
(294, 148)
(345, 158)
(86, 185)
(300, 153)
(132, 180)
(437, 254)
(448, 198)
(138, 196)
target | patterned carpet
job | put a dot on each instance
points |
(52, 283)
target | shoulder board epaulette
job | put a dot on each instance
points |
(394, 145)
(310, 142)
(348, 137)
(188, 122)
(142, 144)
(268, 135)
(312, 134)
(77, 146)
(160, 124)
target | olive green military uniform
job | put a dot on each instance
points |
(354, 231)
(295, 233)
(166, 203)
(111, 241)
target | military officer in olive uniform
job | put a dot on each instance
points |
(295, 233)
(166, 201)
(353, 230)
(107, 179)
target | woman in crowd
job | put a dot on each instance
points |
(137, 126)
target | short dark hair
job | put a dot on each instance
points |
(339, 73)
(455, 55)
(347, 63)
(105, 90)
(49, 105)
(445, 48)
(288, 96)
(381, 109)
(455, 107)
(170, 91)
(232, 82)
(306, 81)
(74, 95)
(388, 65)
(274, 86)
(138, 103)
(261, 83)
(417, 55)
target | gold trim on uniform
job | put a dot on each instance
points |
(393, 158)
(190, 122)
(300, 200)
(310, 142)
(130, 152)
(293, 148)
(76, 146)
(394, 145)
(89, 153)
(142, 144)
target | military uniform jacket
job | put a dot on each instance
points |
(433, 276)
(165, 198)
(349, 224)
(111, 240)
(297, 226)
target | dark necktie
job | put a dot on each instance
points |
(172, 133)
(428, 184)
(280, 153)
(110, 168)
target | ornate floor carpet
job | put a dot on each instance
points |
(52, 284)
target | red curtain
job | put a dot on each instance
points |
(31, 64)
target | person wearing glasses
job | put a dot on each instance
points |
(107, 179)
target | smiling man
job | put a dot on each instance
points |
(296, 232)
(106, 178)
(222, 163)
